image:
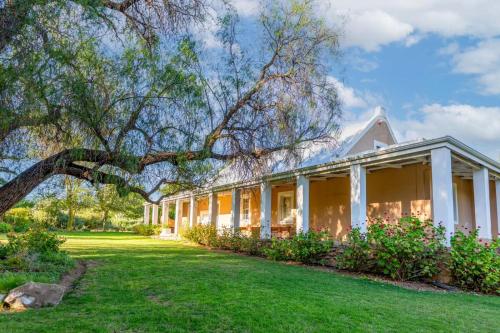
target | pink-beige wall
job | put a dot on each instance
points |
(465, 201)
(330, 206)
(394, 193)
(380, 132)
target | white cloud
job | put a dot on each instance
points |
(477, 126)
(349, 98)
(483, 61)
(372, 24)
(372, 29)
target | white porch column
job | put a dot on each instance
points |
(192, 211)
(442, 191)
(482, 202)
(235, 208)
(212, 208)
(302, 218)
(147, 208)
(358, 197)
(497, 190)
(155, 214)
(164, 214)
(178, 217)
(265, 210)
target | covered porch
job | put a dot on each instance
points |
(442, 183)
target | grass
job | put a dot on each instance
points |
(145, 285)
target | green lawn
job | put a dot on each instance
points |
(143, 285)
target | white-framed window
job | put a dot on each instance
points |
(245, 210)
(455, 203)
(285, 207)
(379, 144)
(204, 217)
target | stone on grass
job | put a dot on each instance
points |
(34, 295)
(2, 297)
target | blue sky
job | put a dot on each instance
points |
(434, 65)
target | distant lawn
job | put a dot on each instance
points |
(144, 285)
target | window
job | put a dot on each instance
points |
(455, 203)
(379, 144)
(285, 206)
(245, 210)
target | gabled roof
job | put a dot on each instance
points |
(315, 153)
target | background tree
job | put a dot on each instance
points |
(158, 108)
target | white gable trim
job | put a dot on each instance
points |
(380, 116)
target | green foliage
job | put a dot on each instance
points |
(202, 234)
(146, 229)
(34, 241)
(408, 250)
(34, 251)
(475, 265)
(356, 255)
(307, 247)
(5, 228)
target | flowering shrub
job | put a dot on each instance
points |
(146, 229)
(408, 250)
(356, 255)
(202, 234)
(475, 266)
(307, 247)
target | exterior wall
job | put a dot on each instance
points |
(274, 203)
(184, 216)
(380, 132)
(254, 194)
(394, 193)
(330, 206)
(494, 217)
(224, 203)
(224, 213)
(465, 201)
(201, 207)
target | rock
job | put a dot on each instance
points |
(2, 297)
(34, 295)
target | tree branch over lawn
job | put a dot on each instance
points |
(166, 108)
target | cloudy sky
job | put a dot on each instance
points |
(433, 64)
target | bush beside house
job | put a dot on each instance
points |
(412, 250)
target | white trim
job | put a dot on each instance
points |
(289, 219)
(393, 152)
(379, 144)
(481, 184)
(358, 136)
(245, 221)
(358, 197)
(442, 191)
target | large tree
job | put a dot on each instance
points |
(151, 105)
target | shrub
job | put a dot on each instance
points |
(307, 247)
(356, 255)
(146, 229)
(408, 250)
(34, 251)
(474, 265)
(5, 228)
(202, 234)
(34, 241)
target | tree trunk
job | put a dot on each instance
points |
(71, 218)
(18, 188)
